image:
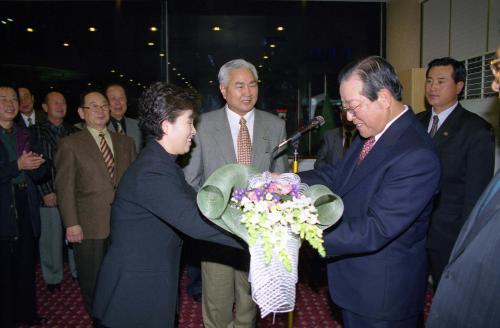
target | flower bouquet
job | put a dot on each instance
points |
(272, 215)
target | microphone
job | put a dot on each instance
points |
(315, 122)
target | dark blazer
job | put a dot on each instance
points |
(8, 171)
(133, 131)
(84, 188)
(380, 265)
(466, 146)
(40, 117)
(468, 293)
(138, 281)
(331, 149)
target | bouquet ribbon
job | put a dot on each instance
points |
(214, 197)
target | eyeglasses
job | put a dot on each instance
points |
(495, 66)
(351, 110)
(95, 107)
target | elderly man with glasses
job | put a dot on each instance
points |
(89, 165)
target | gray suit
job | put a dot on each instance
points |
(214, 148)
(467, 295)
(133, 131)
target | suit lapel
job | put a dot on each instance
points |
(449, 126)
(223, 137)
(260, 142)
(478, 218)
(118, 156)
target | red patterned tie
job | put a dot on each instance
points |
(367, 146)
(244, 144)
(107, 155)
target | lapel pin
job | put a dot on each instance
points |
(445, 133)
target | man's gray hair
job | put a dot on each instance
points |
(235, 64)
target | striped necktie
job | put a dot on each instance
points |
(434, 127)
(244, 144)
(107, 155)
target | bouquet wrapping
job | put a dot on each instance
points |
(272, 215)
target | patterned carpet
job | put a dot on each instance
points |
(64, 308)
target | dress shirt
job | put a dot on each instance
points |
(97, 139)
(114, 121)
(389, 124)
(25, 118)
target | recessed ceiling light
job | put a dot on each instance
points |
(153, 29)
(259, 81)
(280, 28)
(162, 54)
(260, 66)
(4, 22)
(174, 69)
(89, 83)
(216, 28)
(112, 71)
(139, 84)
(121, 75)
(51, 87)
(10, 20)
(265, 57)
(151, 44)
(178, 74)
(65, 44)
(183, 78)
(210, 82)
(29, 29)
(272, 45)
(92, 29)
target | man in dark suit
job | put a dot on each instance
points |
(387, 180)
(467, 295)
(335, 143)
(225, 270)
(28, 116)
(118, 122)
(89, 165)
(21, 166)
(466, 147)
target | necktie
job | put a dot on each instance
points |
(367, 146)
(347, 140)
(107, 155)
(30, 122)
(434, 127)
(244, 144)
(119, 128)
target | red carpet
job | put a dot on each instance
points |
(64, 308)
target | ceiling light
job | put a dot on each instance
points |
(265, 57)
(65, 44)
(89, 83)
(92, 29)
(259, 81)
(153, 29)
(29, 29)
(151, 44)
(216, 28)
(162, 54)
(280, 28)
(178, 74)
(272, 45)
(183, 78)
(260, 66)
(10, 20)
(131, 80)
(210, 82)
(121, 75)
(4, 22)
(139, 84)
(112, 71)
(174, 69)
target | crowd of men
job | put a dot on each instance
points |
(412, 186)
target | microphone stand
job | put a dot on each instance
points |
(295, 162)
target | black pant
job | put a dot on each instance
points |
(17, 270)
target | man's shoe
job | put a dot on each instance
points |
(53, 287)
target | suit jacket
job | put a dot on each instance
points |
(467, 295)
(25, 141)
(214, 145)
(331, 149)
(40, 117)
(84, 188)
(380, 265)
(133, 131)
(138, 281)
(466, 147)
